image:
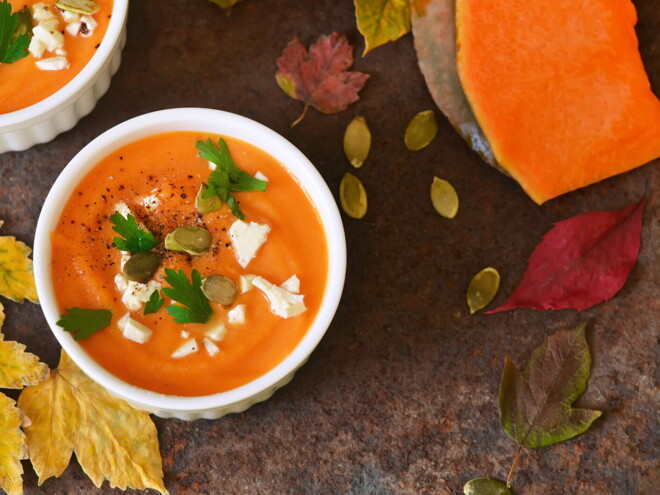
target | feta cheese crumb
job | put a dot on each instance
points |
(216, 334)
(41, 12)
(52, 63)
(69, 16)
(121, 282)
(282, 302)
(185, 349)
(184, 334)
(292, 284)
(260, 176)
(73, 28)
(212, 165)
(237, 314)
(247, 239)
(90, 24)
(125, 256)
(123, 209)
(37, 47)
(137, 293)
(134, 330)
(245, 283)
(211, 348)
(48, 35)
(151, 202)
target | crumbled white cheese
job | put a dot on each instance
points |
(123, 209)
(259, 175)
(282, 302)
(247, 239)
(245, 283)
(236, 314)
(185, 349)
(51, 38)
(292, 284)
(125, 256)
(184, 334)
(37, 47)
(134, 330)
(69, 16)
(212, 165)
(211, 348)
(91, 24)
(137, 293)
(216, 334)
(151, 202)
(73, 28)
(41, 12)
(121, 282)
(52, 63)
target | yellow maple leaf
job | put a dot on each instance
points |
(70, 413)
(381, 21)
(16, 278)
(12, 446)
(17, 367)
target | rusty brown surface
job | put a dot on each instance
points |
(401, 394)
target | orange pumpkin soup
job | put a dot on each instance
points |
(157, 179)
(23, 83)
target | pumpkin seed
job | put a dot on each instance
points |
(219, 289)
(141, 266)
(444, 198)
(486, 486)
(357, 141)
(24, 25)
(86, 7)
(189, 239)
(353, 197)
(421, 130)
(207, 205)
(482, 289)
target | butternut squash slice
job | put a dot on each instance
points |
(558, 88)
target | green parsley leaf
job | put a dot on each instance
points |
(14, 33)
(84, 323)
(227, 177)
(154, 303)
(135, 240)
(195, 306)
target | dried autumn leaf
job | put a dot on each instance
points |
(381, 21)
(16, 279)
(17, 367)
(486, 486)
(12, 447)
(581, 262)
(70, 413)
(535, 405)
(319, 78)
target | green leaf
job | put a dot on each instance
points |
(227, 176)
(535, 405)
(14, 38)
(154, 303)
(486, 486)
(135, 240)
(195, 306)
(84, 323)
(381, 21)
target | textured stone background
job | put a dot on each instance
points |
(400, 396)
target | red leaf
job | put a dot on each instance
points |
(319, 78)
(581, 262)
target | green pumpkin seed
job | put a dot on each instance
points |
(189, 239)
(482, 289)
(141, 266)
(24, 23)
(486, 486)
(357, 141)
(207, 205)
(86, 7)
(421, 130)
(444, 198)
(219, 289)
(353, 197)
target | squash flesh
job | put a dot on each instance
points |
(559, 89)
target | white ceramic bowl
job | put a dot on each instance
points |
(61, 111)
(217, 122)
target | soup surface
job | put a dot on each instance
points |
(23, 84)
(85, 263)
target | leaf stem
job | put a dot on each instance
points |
(302, 116)
(513, 467)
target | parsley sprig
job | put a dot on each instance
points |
(135, 240)
(83, 323)
(14, 33)
(154, 303)
(195, 307)
(227, 177)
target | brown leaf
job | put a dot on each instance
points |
(319, 77)
(71, 413)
